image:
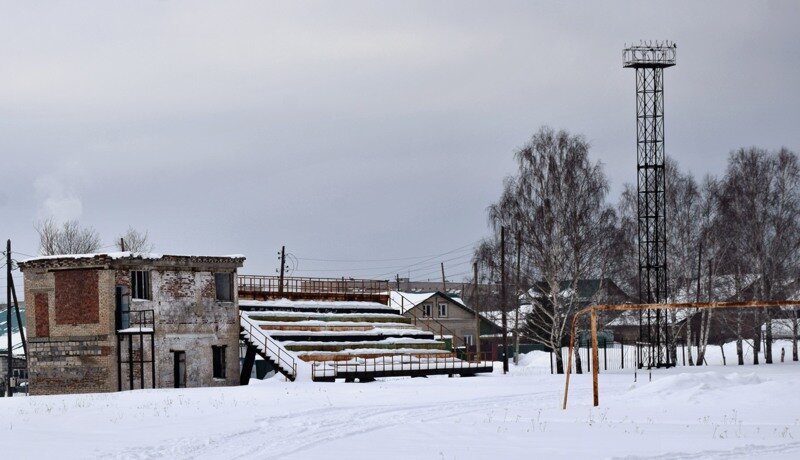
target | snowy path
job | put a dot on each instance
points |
(708, 412)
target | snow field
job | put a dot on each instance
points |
(703, 412)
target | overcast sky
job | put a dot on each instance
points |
(355, 131)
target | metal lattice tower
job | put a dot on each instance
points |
(650, 59)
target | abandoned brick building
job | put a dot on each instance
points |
(119, 321)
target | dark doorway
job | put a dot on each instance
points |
(179, 358)
(123, 316)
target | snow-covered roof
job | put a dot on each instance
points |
(724, 287)
(103, 257)
(407, 300)
(497, 315)
(780, 327)
(124, 255)
(631, 317)
(16, 336)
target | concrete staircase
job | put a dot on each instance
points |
(261, 344)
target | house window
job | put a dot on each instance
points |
(442, 310)
(426, 310)
(224, 284)
(219, 361)
(468, 339)
(140, 285)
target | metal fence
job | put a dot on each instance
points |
(332, 286)
(625, 356)
(613, 356)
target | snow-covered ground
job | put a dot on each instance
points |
(703, 412)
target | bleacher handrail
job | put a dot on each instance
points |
(282, 357)
(331, 369)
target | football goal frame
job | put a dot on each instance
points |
(592, 312)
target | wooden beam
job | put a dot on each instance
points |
(595, 360)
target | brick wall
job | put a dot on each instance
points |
(72, 349)
(77, 299)
(41, 303)
(188, 318)
(80, 364)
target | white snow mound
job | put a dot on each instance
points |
(693, 384)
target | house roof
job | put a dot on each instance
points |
(407, 300)
(631, 317)
(724, 287)
(121, 258)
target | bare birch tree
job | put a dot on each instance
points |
(136, 241)
(761, 201)
(67, 238)
(557, 202)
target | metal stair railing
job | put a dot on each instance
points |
(428, 319)
(415, 365)
(272, 350)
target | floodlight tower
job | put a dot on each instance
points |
(650, 59)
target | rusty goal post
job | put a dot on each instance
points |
(592, 311)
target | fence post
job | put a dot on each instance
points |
(588, 356)
(683, 352)
(622, 354)
(605, 359)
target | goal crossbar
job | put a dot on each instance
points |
(592, 311)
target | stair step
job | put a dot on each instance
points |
(329, 317)
(391, 344)
(373, 335)
(310, 356)
(328, 326)
(315, 306)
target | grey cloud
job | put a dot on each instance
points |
(355, 129)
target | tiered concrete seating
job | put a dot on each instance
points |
(340, 330)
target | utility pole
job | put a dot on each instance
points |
(444, 281)
(503, 297)
(475, 303)
(122, 244)
(283, 266)
(10, 356)
(397, 277)
(516, 302)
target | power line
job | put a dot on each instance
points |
(388, 260)
(410, 266)
(450, 266)
(394, 268)
(428, 263)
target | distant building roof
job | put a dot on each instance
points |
(584, 289)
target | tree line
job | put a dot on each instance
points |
(71, 237)
(731, 237)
